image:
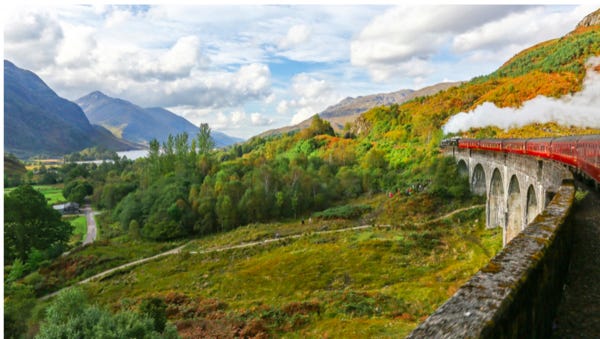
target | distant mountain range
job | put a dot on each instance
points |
(350, 108)
(132, 122)
(39, 122)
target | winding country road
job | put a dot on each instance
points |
(90, 236)
(242, 245)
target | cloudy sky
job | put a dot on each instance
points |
(246, 69)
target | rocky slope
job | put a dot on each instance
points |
(592, 19)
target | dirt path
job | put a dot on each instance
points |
(579, 312)
(451, 214)
(268, 241)
(112, 270)
(242, 245)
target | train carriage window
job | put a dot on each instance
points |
(588, 150)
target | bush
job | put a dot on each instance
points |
(343, 212)
(447, 182)
(357, 304)
(155, 309)
(71, 316)
(17, 309)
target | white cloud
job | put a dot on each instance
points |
(182, 57)
(259, 119)
(117, 17)
(31, 39)
(76, 49)
(296, 35)
(236, 120)
(145, 65)
(253, 78)
(270, 99)
(516, 28)
(191, 113)
(580, 109)
(282, 107)
(413, 68)
(487, 35)
(309, 96)
(212, 89)
(237, 117)
(406, 32)
(222, 119)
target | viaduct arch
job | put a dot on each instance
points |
(517, 187)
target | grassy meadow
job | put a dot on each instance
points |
(79, 228)
(373, 282)
(53, 193)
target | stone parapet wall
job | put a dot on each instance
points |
(517, 293)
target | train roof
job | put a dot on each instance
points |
(589, 137)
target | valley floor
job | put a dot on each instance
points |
(270, 280)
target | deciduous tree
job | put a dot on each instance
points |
(29, 222)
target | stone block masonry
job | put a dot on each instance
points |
(517, 293)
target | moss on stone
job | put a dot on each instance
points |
(492, 267)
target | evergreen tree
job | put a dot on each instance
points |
(205, 141)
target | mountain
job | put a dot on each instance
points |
(39, 122)
(132, 122)
(349, 109)
(351, 106)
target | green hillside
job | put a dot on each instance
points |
(14, 170)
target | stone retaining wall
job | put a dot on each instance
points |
(517, 293)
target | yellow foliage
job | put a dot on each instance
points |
(512, 92)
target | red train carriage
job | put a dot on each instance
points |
(514, 146)
(564, 150)
(539, 147)
(580, 152)
(491, 144)
(588, 155)
(468, 143)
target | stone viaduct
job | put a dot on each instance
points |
(517, 187)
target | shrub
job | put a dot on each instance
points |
(155, 309)
(343, 212)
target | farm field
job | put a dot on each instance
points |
(53, 193)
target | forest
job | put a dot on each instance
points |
(184, 189)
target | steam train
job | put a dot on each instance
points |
(581, 153)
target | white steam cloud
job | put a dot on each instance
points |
(580, 109)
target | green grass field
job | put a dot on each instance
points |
(79, 228)
(53, 193)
